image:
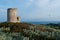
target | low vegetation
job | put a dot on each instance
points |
(33, 32)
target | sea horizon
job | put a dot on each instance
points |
(44, 22)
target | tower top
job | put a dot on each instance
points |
(12, 8)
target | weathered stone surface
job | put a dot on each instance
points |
(11, 15)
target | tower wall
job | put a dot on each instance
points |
(11, 15)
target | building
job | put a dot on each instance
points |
(11, 15)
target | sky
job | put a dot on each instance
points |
(32, 10)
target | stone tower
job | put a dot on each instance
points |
(11, 15)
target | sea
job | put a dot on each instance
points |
(48, 22)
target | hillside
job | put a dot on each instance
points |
(29, 31)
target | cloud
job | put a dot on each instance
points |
(3, 14)
(46, 9)
(26, 3)
(33, 9)
(48, 3)
(42, 3)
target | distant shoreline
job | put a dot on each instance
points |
(54, 22)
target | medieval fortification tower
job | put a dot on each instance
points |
(11, 15)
